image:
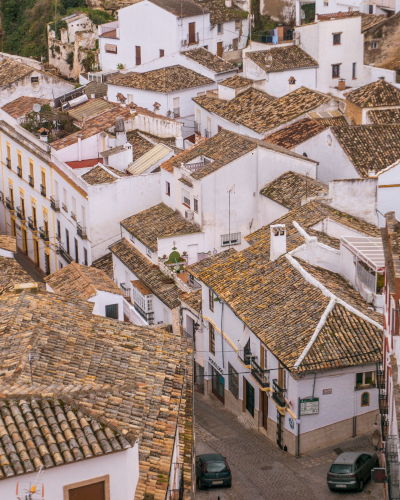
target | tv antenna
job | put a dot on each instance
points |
(28, 491)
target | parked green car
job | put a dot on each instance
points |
(212, 470)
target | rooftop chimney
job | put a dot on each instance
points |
(277, 245)
(157, 108)
(342, 84)
(120, 134)
(228, 3)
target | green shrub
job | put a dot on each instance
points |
(70, 59)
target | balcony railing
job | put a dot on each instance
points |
(262, 376)
(197, 127)
(148, 316)
(10, 204)
(21, 213)
(383, 404)
(32, 224)
(65, 207)
(8, 163)
(31, 181)
(55, 204)
(177, 112)
(73, 216)
(126, 290)
(277, 395)
(245, 357)
(81, 231)
(207, 133)
(19, 172)
(44, 234)
(43, 190)
(64, 254)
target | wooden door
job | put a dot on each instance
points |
(138, 56)
(36, 252)
(95, 491)
(279, 429)
(24, 241)
(265, 409)
(250, 398)
(220, 49)
(192, 32)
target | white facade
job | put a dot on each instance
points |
(153, 29)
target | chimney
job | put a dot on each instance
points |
(79, 147)
(371, 172)
(157, 108)
(120, 133)
(26, 287)
(277, 245)
(342, 84)
(228, 3)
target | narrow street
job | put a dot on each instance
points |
(260, 470)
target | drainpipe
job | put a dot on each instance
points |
(222, 336)
(298, 430)
(313, 387)
(80, 147)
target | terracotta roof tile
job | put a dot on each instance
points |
(140, 145)
(157, 221)
(193, 300)
(8, 243)
(295, 134)
(220, 13)
(181, 8)
(11, 71)
(23, 105)
(290, 188)
(97, 88)
(282, 59)
(98, 175)
(367, 146)
(105, 264)
(11, 273)
(209, 60)
(367, 20)
(384, 116)
(375, 94)
(235, 82)
(169, 79)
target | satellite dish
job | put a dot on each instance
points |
(37, 108)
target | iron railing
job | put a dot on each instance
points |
(10, 204)
(73, 216)
(44, 234)
(20, 213)
(126, 290)
(193, 167)
(245, 356)
(64, 254)
(32, 224)
(43, 190)
(55, 204)
(8, 163)
(19, 171)
(81, 231)
(277, 395)
(65, 207)
(31, 181)
(262, 376)
(197, 127)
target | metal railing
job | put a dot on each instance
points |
(43, 190)
(64, 254)
(44, 234)
(207, 133)
(126, 290)
(65, 207)
(31, 181)
(197, 127)
(278, 394)
(73, 216)
(32, 224)
(19, 172)
(392, 467)
(262, 376)
(81, 231)
(8, 163)
(55, 204)
(20, 213)
(366, 277)
(177, 112)
(10, 204)
(193, 167)
(148, 316)
(245, 357)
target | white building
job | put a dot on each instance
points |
(152, 29)
(281, 348)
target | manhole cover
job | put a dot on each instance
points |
(338, 451)
(266, 467)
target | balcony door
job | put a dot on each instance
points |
(279, 429)
(249, 398)
(192, 32)
(220, 49)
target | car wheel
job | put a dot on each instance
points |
(199, 485)
(361, 485)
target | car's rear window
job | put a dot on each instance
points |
(341, 468)
(215, 466)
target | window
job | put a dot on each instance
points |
(67, 239)
(365, 379)
(370, 9)
(20, 164)
(211, 297)
(31, 174)
(211, 338)
(58, 229)
(149, 253)
(167, 188)
(186, 198)
(13, 228)
(76, 251)
(110, 49)
(354, 72)
(230, 239)
(138, 55)
(130, 98)
(161, 52)
(220, 28)
(196, 205)
(237, 25)
(326, 4)
(85, 257)
(177, 110)
(375, 45)
(233, 381)
(95, 491)
(336, 38)
(34, 79)
(335, 70)
(112, 311)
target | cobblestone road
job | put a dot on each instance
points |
(260, 470)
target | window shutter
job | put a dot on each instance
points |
(93, 491)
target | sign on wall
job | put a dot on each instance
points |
(326, 391)
(309, 406)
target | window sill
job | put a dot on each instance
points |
(335, 77)
(187, 206)
(364, 387)
(168, 194)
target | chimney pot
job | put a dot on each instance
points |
(277, 241)
(342, 84)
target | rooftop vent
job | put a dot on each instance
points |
(277, 241)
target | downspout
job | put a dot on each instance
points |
(298, 430)
(222, 337)
(313, 388)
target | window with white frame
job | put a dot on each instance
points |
(374, 45)
(230, 239)
(196, 205)
(365, 379)
(186, 198)
(145, 302)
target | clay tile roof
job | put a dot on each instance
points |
(367, 146)
(367, 20)
(290, 188)
(235, 82)
(209, 60)
(11, 273)
(308, 216)
(384, 116)
(105, 264)
(11, 71)
(261, 112)
(81, 281)
(8, 243)
(297, 133)
(97, 88)
(99, 385)
(169, 79)
(23, 105)
(220, 13)
(391, 246)
(375, 94)
(98, 175)
(90, 108)
(149, 274)
(192, 300)
(181, 8)
(155, 222)
(282, 59)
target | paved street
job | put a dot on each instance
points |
(260, 470)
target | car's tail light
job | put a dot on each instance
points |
(330, 475)
(226, 465)
(204, 467)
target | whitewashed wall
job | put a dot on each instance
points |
(389, 192)
(103, 299)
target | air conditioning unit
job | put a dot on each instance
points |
(189, 214)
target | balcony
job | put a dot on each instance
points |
(55, 204)
(21, 213)
(73, 216)
(148, 316)
(44, 234)
(31, 181)
(245, 357)
(177, 112)
(32, 224)
(10, 204)
(43, 190)
(126, 290)
(207, 133)
(197, 128)
(8, 163)
(64, 254)
(19, 172)
(81, 231)
(383, 404)
(65, 207)
(277, 395)
(262, 376)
